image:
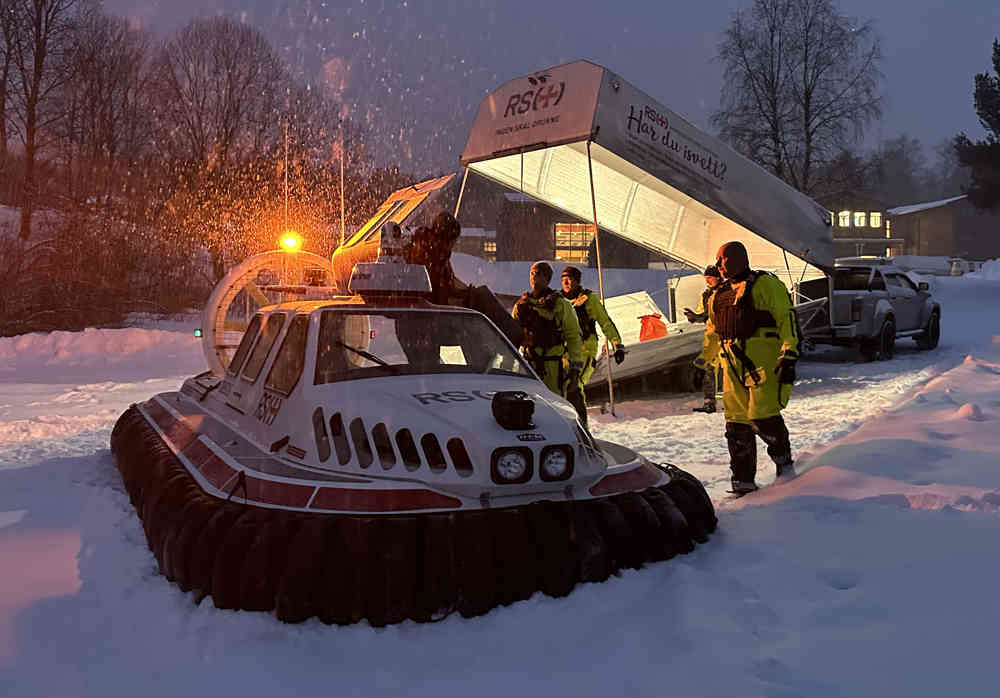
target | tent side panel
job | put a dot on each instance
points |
(635, 127)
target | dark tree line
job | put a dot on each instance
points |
(140, 170)
(983, 156)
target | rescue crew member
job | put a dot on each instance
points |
(589, 313)
(706, 363)
(551, 341)
(751, 317)
(432, 247)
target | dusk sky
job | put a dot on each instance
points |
(418, 69)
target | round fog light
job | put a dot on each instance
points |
(512, 466)
(556, 463)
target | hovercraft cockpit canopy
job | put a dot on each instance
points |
(359, 342)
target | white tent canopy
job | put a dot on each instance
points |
(658, 181)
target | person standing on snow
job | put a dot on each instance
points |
(551, 342)
(753, 320)
(590, 312)
(707, 360)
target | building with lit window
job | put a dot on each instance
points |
(478, 242)
(860, 226)
(528, 230)
(950, 227)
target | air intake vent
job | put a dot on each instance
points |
(460, 457)
(361, 445)
(322, 439)
(340, 439)
(433, 453)
(383, 446)
(408, 449)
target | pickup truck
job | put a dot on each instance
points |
(868, 306)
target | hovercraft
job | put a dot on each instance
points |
(373, 456)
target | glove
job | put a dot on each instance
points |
(701, 364)
(785, 370)
(619, 354)
(690, 314)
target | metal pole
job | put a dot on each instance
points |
(286, 175)
(461, 191)
(600, 275)
(343, 225)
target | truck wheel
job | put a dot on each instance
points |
(883, 345)
(932, 335)
(887, 340)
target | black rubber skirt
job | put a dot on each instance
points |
(385, 569)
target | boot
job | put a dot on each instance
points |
(742, 453)
(774, 433)
(707, 408)
(740, 488)
(786, 469)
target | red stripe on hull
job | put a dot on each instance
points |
(340, 499)
(163, 419)
(636, 479)
(217, 471)
(283, 494)
(198, 453)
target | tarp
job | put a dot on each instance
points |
(659, 181)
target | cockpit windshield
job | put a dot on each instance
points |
(357, 344)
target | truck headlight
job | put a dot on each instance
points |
(511, 466)
(556, 463)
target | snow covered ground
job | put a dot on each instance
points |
(873, 573)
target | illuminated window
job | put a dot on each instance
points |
(888, 228)
(845, 219)
(573, 241)
(859, 219)
(875, 219)
(489, 245)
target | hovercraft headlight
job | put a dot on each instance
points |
(556, 463)
(511, 466)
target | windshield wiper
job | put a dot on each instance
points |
(367, 355)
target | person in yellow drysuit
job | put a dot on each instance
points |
(590, 312)
(551, 343)
(706, 362)
(751, 317)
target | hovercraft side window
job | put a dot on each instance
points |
(287, 367)
(244, 348)
(272, 328)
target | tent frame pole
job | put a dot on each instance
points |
(600, 275)
(461, 191)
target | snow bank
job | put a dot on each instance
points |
(95, 353)
(990, 271)
(871, 574)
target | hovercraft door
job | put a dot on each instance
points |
(246, 389)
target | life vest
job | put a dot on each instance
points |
(538, 321)
(588, 326)
(734, 313)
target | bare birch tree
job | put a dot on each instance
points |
(801, 83)
(40, 48)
